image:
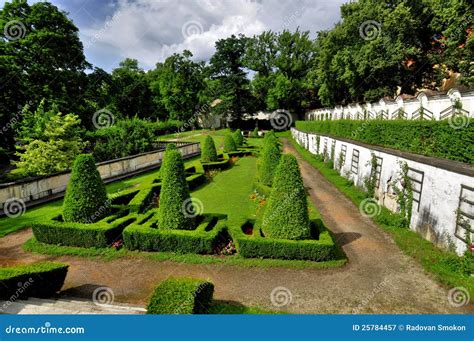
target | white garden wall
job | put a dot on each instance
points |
(441, 188)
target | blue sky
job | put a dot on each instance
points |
(151, 30)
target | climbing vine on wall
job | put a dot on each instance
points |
(404, 194)
(371, 181)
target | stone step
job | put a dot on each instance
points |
(65, 306)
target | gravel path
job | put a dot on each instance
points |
(379, 278)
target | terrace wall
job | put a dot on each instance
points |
(42, 189)
(443, 205)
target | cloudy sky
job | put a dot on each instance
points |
(151, 30)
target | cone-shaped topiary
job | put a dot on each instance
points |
(86, 199)
(255, 132)
(286, 216)
(208, 151)
(270, 159)
(229, 144)
(175, 206)
(238, 138)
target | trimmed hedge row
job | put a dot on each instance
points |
(255, 246)
(148, 237)
(32, 280)
(100, 234)
(431, 138)
(181, 296)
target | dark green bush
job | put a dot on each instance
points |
(270, 158)
(181, 296)
(229, 144)
(238, 138)
(32, 280)
(319, 250)
(431, 138)
(100, 234)
(286, 216)
(146, 238)
(174, 194)
(85, 200)
(208, 151)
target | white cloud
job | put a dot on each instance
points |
(151, 30)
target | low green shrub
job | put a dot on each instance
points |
(238, 138)
(32, 280)
(229, 144)
(100, 234)
(208, 151)
(86, 199)
(147, 237)
(431, 138)
(286, 216)
(181, 296)
(174, 195)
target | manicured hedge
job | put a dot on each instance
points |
(32, 280)
(431, 138)
(229, 144)
(270, 158)
(286, 215)
(147, 237)
(238, 138)
(181, 296)
(86, 199)
(99, 234)
(208, 150)
(256, 246)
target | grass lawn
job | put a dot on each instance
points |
(448, 268)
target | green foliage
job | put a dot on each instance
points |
(176, 211)
(371, 181)
(52, 141)
(319, 250)
(229, 144)
(286, 216)
(85, 200)
(208, 151)
(255, 133)
(431, 138)
(33, 280)
(404, 194)
(181, 296)
(238, 138)
(270, 158)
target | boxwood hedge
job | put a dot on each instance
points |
(32, 280)
(238, 138)
(431, 138)
(269, 160)
(229, 144)
(208, 151)
(181, 296)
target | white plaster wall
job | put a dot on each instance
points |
(435, 219)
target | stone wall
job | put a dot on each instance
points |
(443, 198)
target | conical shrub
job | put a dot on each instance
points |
(208, 151)
(270, 158)
(229, 144)
(238, 138)
(255, 132)
(175, 206)
(286, 216)
(86, 199)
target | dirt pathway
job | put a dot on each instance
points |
(378, 279)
